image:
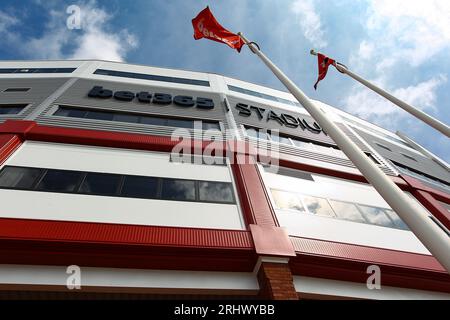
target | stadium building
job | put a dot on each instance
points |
(142, 182)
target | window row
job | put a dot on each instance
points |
(65, 111)
(115, 185)
(11, 108)
(38, 70)
(153, 77)
(299, 203)
(262, 95)
(296, 142)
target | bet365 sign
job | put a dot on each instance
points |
(155, 98)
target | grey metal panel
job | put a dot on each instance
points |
(40, 89)
(78, 95)
(254, 121)
(422, 164)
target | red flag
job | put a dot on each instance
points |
(324, 63)
(206, 26)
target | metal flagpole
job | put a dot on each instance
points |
(417, 219)
(436, 124)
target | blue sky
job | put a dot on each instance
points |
(401, 45)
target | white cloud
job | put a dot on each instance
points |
(406, 31)
(310, 22)
(369, 105)
(93, 41)
(6, 21)
(399, 34)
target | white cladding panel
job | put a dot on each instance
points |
(110, 160)
(324, 228)
(73, 207)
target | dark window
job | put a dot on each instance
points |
(262, 95)
(64, 111)
(123, 117)
(19, 178)
(140, 187)
(70, 112)
(180, 123)
(100, 184)
(408, 157)
(371, 157)
(382, 146)
(38, 70)
(291, 173)
(122, 74)
(60, 181)
(17, 89)
(216, 192)
(11, 108)
(99, 115)
(154, 121)
(210, 125)
(178, 189)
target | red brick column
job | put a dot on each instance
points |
(276, 282)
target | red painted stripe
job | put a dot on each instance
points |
(346, 262)
(8, 144)
(254, 198)
(416, 184)
(433, 206)
(123, 234)
(350, 252)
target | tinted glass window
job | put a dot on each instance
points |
(346, 211)
(376, 216)
(17, 89)
(318, 206)
(210, 125)
(154, 121)
(151, 77)
(68, 112)
(178, 189)
(99, 115)
(21, 178)
(397, 221)
(140, 187)
(100, 184)
(216, 192)
(60, 180)
(123, 117)
(11, 109)
(287, 201)
(180, 123)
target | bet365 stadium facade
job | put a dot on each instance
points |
(128, 181)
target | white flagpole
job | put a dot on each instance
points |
(436, 124)
(417, 219)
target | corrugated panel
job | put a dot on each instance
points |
(123, 234)
(8, 143)
(365, 254)
(40, 90)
